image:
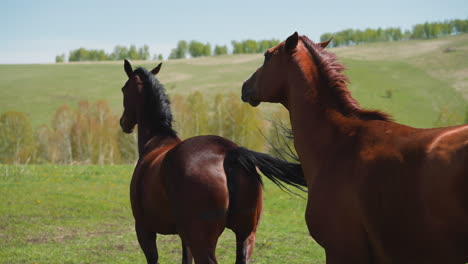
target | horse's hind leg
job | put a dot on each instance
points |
(244, 214)
(186, 254)
(201, 236)
(245, 245)
(147, 241)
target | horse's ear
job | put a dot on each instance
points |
(325, 43)
(156, 70)
(128, 68)
(291, 41)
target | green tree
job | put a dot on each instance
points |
(207, 49)
(119, 53)
(418, 32)
(96, 55)
(237, 47)
(133, 53)
(220, 50)
(198, 124)
(16, 138)
(264, 45)
(180, 52)
(182, 115)
(241, 123)
(250, 46)
(196, 49)
(81, 134)
(219, 115)
(128, 146)
(60, 58)
(80, 54)
(157, 57)
(105, 146)
(62, 124)
(144, 53)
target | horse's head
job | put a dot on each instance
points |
(132, 97)
(270, 82)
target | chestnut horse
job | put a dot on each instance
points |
(379, 191)
(194, 188)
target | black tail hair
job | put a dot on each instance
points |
(279, 171)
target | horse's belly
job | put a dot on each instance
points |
(159, 220)
(152, 210)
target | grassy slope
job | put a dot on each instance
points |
(81, 214)
(423, 80)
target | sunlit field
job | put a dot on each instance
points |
(81, 214)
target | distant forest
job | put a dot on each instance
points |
(427, 30)
(347, 37)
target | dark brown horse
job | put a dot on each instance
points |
(379, 191)
(194, 188)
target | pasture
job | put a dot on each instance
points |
(81, 214)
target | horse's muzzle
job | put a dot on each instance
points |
(125, 128)
(247, 94)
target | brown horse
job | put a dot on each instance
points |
(379, 191)
(194, 188)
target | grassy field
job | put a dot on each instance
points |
(422, 78)
(81, 214)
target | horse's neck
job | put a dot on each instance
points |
(148, 139)
(317, 132)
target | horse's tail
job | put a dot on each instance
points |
(279, 171)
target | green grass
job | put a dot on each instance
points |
(81, 214)
(423, 80)
(417, 97)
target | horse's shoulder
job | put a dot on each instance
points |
(384, 141)
(447, 142)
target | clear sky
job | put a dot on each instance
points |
(35, 31)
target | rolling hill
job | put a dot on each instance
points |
(422, 83)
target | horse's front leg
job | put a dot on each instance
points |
(147, 241)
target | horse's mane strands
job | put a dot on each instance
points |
(331, 71)
(157, 104)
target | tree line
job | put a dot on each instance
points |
(198, 49)
(119, 53)
(345, 37)
(427, 30)
(182, 50)
(90, 134)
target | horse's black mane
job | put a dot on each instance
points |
(157, 104)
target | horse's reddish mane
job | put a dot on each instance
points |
(331, 72)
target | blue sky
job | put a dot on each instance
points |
(34, 31)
